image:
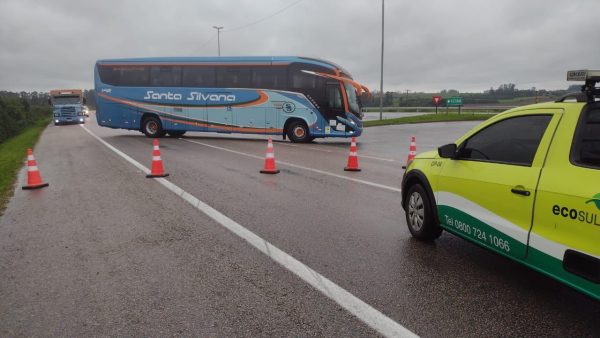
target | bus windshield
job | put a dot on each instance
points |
(59, 100)
(352, 99)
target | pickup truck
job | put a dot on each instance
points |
(524, 184)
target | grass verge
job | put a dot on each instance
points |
(428, 118)
(12, 154)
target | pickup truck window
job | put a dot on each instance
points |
(511, 141)
(586, 146)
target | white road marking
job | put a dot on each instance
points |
(331, 151)
(368, 314)
(377, 158)
(373, 184)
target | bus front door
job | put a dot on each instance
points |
(334, 108)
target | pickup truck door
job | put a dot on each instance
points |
(487, 193)
(565, 238)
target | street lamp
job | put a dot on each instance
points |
(218, 28)
(381, 79)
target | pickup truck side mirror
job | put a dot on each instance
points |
(447, 151)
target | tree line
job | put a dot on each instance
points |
(502, 95)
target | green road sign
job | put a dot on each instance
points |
(454, 101)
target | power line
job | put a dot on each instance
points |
(265, 18)
(207, 41)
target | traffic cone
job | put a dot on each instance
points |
(34, 179)
(270, 160)
(412, 151)
(352, 158)
(157, 165)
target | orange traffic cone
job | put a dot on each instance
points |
(34, 179)
(412, 151)
(270, 160)
(157, 165)
(352, 158)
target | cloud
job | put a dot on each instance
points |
(429, 45)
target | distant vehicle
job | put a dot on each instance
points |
(297, 97)
(67, 106)
(86, 111)
(523, 184)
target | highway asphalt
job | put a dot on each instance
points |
(104, 251)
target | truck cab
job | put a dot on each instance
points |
(67, 106)
(523, 184)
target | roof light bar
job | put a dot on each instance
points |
(583, 75)
(591, 78)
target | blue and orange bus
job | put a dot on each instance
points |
(301, 98)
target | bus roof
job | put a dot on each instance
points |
(240, 60)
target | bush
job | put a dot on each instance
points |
(16, 114)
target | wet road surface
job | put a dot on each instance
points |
(105, 251)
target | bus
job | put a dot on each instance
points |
(67, 106)
(298, 97)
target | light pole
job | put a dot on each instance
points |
(218, 28)
(381, 78)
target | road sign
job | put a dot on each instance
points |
(437, 100)
(454, 101)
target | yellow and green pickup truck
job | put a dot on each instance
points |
(525, 184)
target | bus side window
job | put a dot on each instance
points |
(269, 77)
(134, 76)
(198, 77)
(165, 76)
(109, 75)
(334, 97)
(235, 77)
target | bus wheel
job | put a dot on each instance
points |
(152, 127)
(419, 215)
(298, 132)
(178, 133)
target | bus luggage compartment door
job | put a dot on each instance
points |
(220, 119)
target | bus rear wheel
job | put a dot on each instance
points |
(298, 132)
(152, 127)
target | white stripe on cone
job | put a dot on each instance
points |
(155, 158)
(32, 168)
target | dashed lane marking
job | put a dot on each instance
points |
(322, 172)
(331, 151)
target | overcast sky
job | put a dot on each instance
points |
(430, 45)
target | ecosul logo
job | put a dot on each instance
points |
(579, 215)
(595, 200)
(193, 96)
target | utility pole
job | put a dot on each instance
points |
(381, 78)
(218, 28)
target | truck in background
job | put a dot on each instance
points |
(67, 106)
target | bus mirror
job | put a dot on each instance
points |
(447, 151)
(84, 101)
(50, 101)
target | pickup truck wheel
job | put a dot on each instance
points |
(419, 215)
(152, 127)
